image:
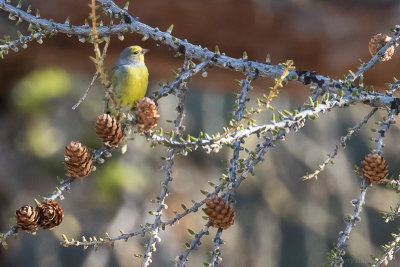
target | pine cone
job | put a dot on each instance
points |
(109, 129)
(377, 42)
(78, 161)
(374, 168)
(220, 214)
(146, 114)
(50, 215)
(27, 218)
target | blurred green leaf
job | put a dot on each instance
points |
(42, 139)
(117, 175)
(38, 88)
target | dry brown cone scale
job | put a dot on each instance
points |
(146, 114)
(27, 218)
(220, 214)
(78, 160)
(109, 129)
(374, 168)
(377, 42)
(50, 215)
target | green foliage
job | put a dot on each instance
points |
(34, 92)
(116, 175)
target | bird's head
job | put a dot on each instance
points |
(132, 55)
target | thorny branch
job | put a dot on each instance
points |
(390, 251)
(197, 52)
(351, 220)
(394, 213)
(216, 253)
(182, 259)
(167, 171)
(352, 131)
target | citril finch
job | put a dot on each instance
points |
(129, 77)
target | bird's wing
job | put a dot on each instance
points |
(116, 75)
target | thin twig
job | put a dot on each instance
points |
(390, 251)
(340, 248)
(95, 76)
(183, 258)
(342, 143)
(351, 221)
(384, 128)
(167, 171)
(216, 253)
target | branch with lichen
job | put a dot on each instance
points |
(290, 121)
(130, 24)
(336, 256)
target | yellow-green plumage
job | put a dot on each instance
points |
(129, 84)
(129, 78)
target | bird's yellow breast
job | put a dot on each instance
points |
(130, 84)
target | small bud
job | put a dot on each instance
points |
(126, 6)
(245, 55)
(124, 148)
(170, 28)
(268, 59)
(217, 50)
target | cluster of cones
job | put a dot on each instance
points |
(110, 130)
(78, 161)
(46, 215)
(79, 164)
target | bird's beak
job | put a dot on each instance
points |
(144, 51)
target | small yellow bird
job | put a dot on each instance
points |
(129, 77)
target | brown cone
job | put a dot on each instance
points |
(146, 114)
(220, 214)
(374, 168)
(109, 129)
(78, 161)
(27, 218)
(377, 42)
(50, 215)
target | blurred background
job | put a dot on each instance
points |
(281, 220)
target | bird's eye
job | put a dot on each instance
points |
(136, 52)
